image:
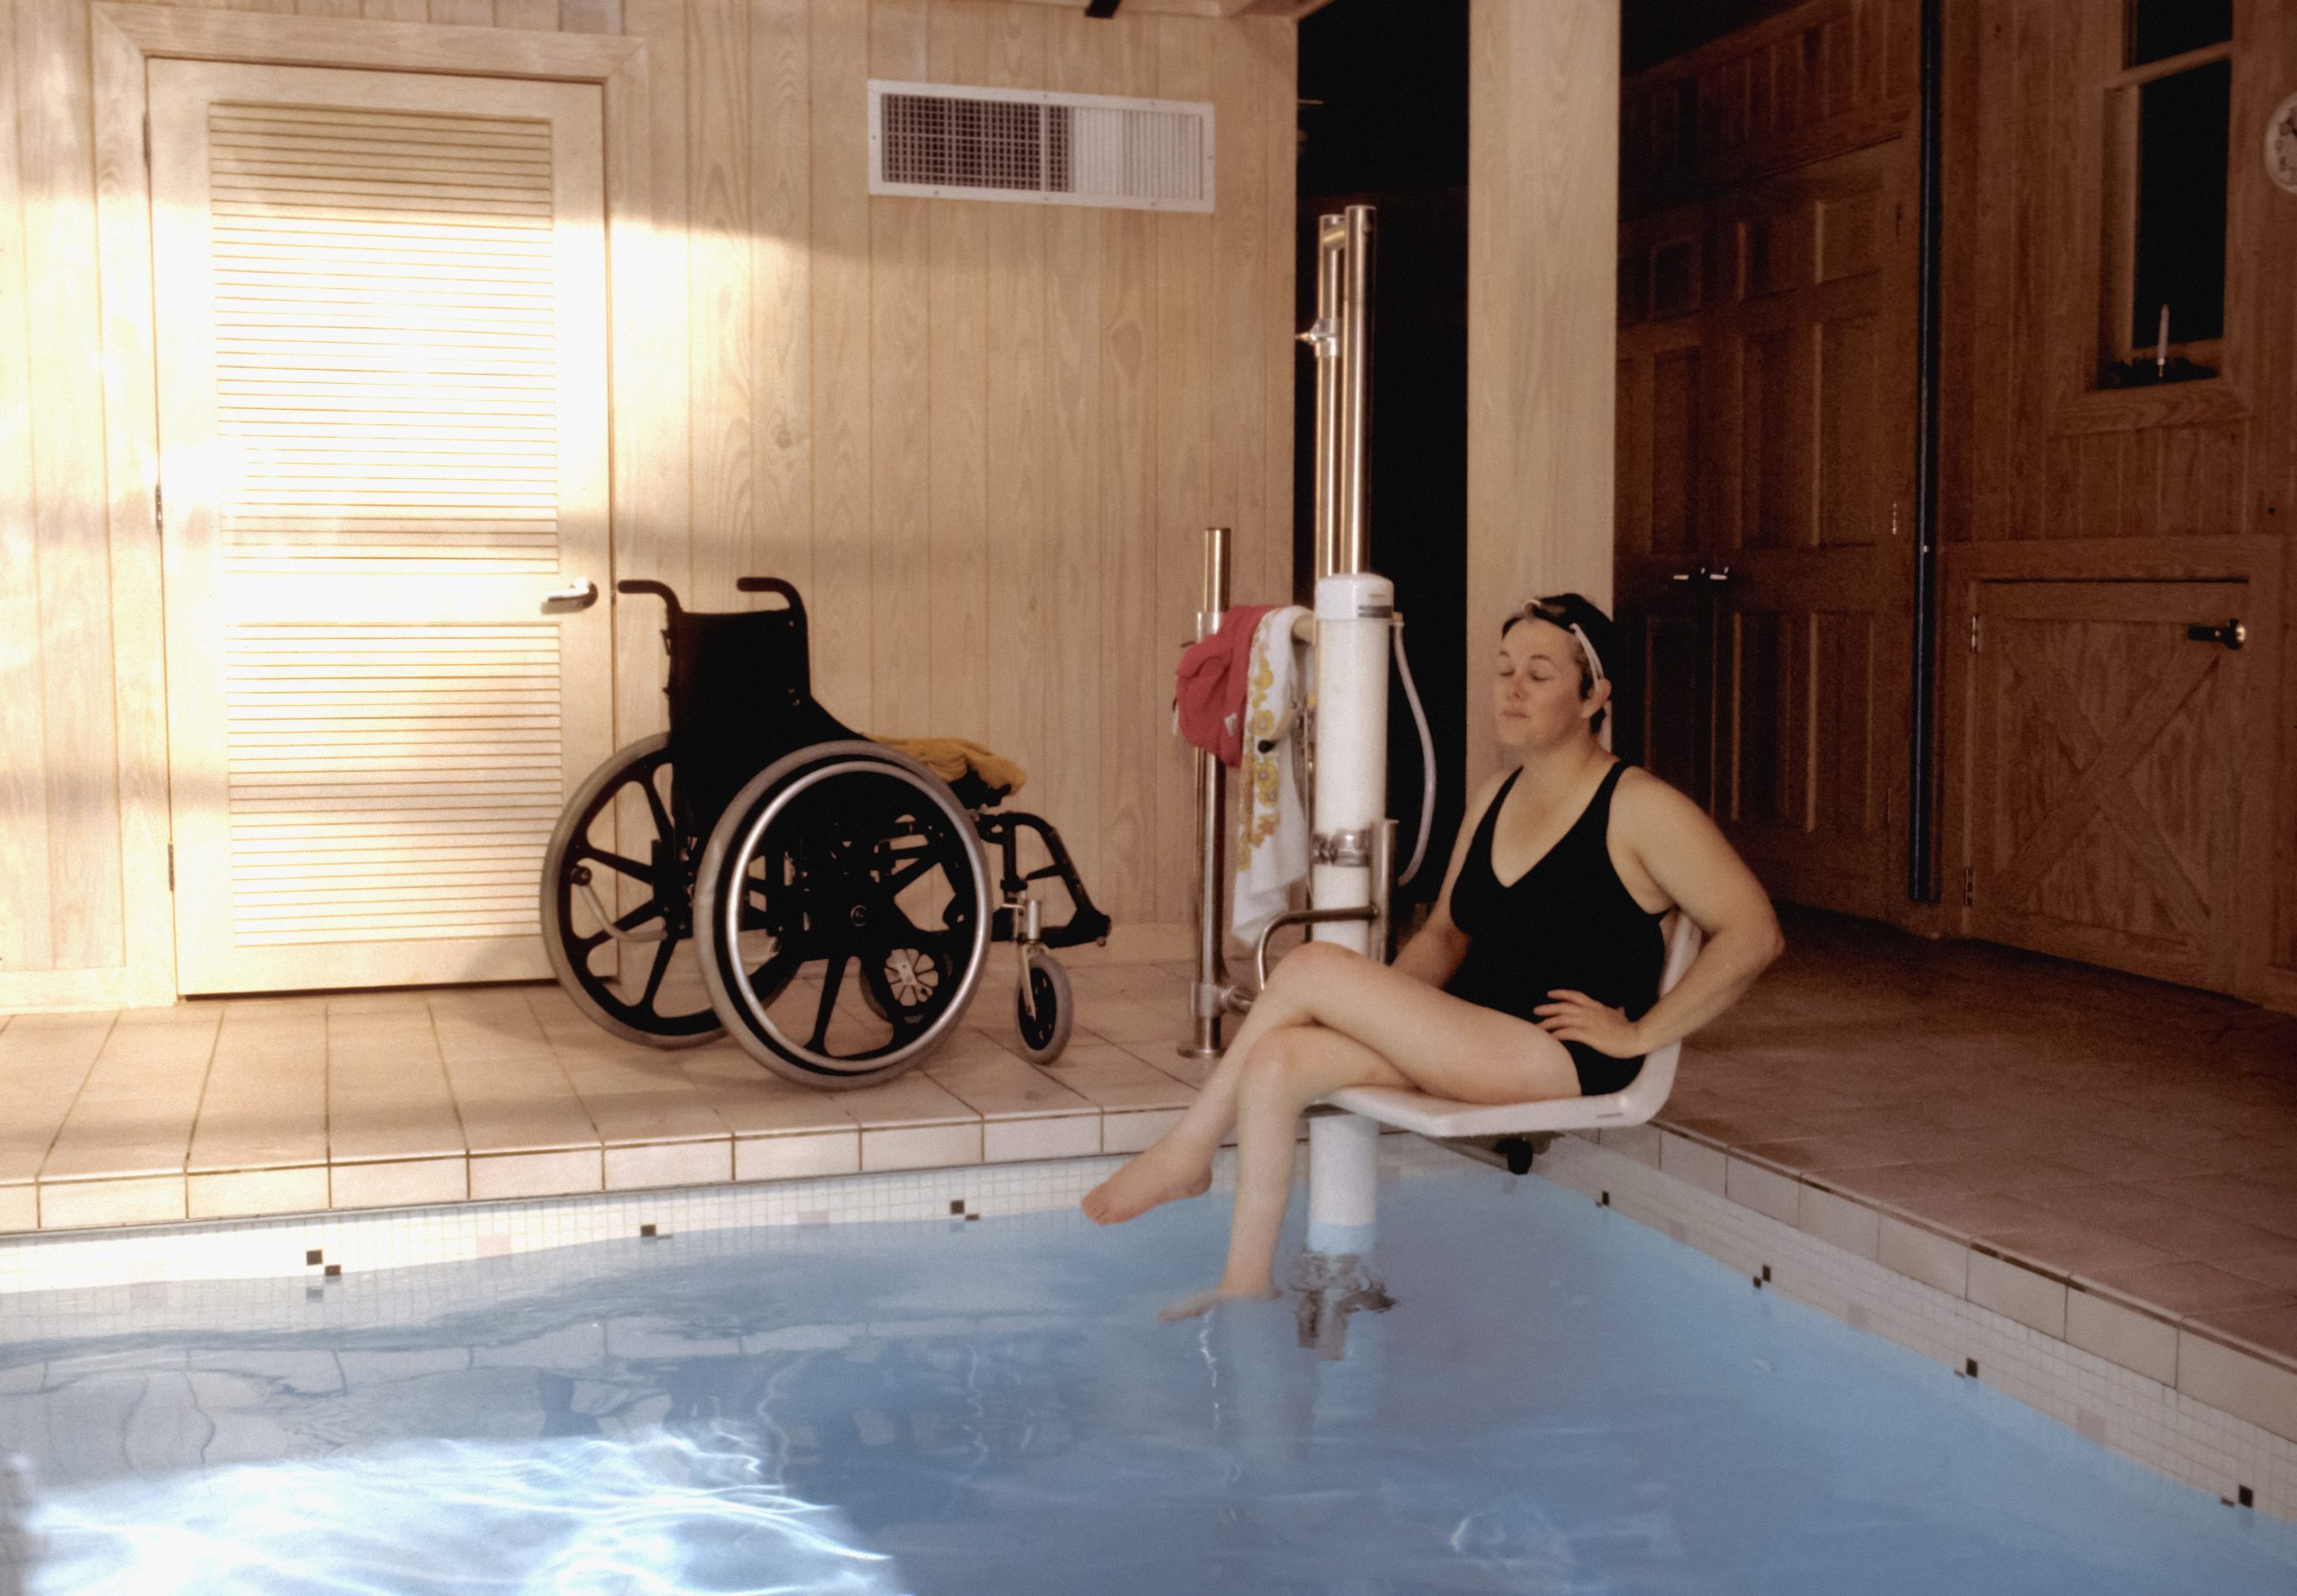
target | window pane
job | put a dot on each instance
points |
(2181, 159)
(2159, 29)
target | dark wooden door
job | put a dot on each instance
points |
(1663, 512)
(2111, 756)
(1767, 457)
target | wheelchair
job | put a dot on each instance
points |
(763, 871)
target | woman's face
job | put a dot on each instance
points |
(1536, 695)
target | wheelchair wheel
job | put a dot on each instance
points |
(636, 985)
(1045, 1019)
(842, 914)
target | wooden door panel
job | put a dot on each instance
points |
(1855, 472)
(1846, 801)
(1671, 737)
(2107, 773)
(1777, 420)
(1800, 749)
(1676, 378)
(1767, 686)
(1814, 352)
(381, 336)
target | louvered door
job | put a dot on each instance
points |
(381, 331)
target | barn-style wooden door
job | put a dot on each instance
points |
(2115, 739)
(382, 342)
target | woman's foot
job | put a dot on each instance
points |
(1198, 1304)
(1160, 1174)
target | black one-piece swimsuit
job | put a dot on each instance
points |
(1567, 924)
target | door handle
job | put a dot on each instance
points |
(575, 595)
(1718, 577)
(2233, 635)
(1692, 575)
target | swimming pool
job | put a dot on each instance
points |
(1559, 1400)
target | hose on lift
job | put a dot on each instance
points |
(1427, 753)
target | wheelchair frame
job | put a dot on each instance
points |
(784, 828)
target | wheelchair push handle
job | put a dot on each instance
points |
(772, 584)
(638, 586)
(661, 590)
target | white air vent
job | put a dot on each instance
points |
(944, 142)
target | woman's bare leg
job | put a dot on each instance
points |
(1290, 1072)
(1440, 1044)
(1179, 1163)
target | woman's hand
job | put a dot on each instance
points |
(1575, 1016)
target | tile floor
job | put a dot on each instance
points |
(2138, 1139)
(238, 1108)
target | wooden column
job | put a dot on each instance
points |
(1542, 247)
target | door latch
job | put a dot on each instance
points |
(2233, 635)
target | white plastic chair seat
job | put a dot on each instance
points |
(1644, 1096)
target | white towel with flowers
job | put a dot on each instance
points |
(1271, 847)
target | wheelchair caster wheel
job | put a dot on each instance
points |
(1045, 1032)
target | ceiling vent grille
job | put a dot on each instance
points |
(939, 141)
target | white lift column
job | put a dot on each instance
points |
(1354, 613)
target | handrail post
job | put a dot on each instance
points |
(1209, 994)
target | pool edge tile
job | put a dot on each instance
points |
(798, 1154)
(2122, 1334)
(2011, 1290)
(919, 1147)
(2233, 1380)
(562, 1173)
(397, 1184)
(253, 1193)
(100, 1204)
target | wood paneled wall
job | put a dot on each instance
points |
(2045, 477)
(982, 437)
(1542, 220)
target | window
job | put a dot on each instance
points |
(2161, 28)
(2179, 243)
(2169, 152)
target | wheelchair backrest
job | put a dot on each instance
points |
(741, 696)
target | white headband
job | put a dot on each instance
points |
(1594, 660)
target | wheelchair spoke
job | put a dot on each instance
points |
(770, 980)
(650, 910)
(832, 979)
(662, 827)
(898, 878)
(615, 862)
(654, 977)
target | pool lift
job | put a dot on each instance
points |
(1352, 843)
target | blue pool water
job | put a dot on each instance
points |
(1559, 1400)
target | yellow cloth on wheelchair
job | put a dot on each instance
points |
(951, 757)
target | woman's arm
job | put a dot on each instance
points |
(1694, 864)
(1434, 952)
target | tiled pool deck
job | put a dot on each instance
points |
(2111, 1161)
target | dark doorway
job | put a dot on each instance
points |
(1383, 121)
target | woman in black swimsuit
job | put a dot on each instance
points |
(1536, 977)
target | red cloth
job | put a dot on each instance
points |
(1210, 686)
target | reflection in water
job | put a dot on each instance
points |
(553, 1518)
(15, 1544)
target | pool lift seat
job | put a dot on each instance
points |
(1342, 1147)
